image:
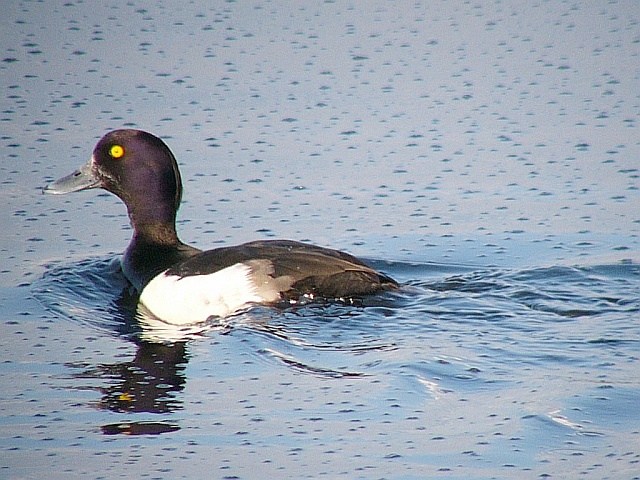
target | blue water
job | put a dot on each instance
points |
(485, 155)
(479, 372)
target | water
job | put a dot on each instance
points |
(485, 155)
(468, 372)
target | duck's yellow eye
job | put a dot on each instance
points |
(116, 151)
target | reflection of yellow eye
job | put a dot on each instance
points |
(116, 151)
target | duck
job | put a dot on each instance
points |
(180, 284)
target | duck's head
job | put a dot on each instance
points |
(136, 166)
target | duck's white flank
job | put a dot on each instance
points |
(193, 299)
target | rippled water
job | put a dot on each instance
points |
(466, 370)
(485, 155)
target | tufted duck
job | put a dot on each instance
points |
(180, 284)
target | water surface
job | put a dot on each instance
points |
(484, 155)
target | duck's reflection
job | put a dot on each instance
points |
(149, 382)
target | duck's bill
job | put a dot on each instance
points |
(81, 179)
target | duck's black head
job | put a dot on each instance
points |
(140, 169)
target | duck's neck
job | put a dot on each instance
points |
(155, 233)
(153, 249)
(152, 204)
(153, 219)
(155, 245)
